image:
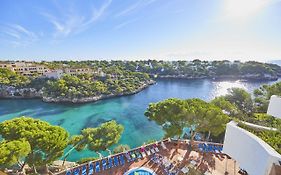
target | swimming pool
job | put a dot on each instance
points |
(140, 171)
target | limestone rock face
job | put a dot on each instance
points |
(12, 92)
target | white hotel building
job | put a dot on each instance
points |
(252, 154)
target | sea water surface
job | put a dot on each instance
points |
(127, 110)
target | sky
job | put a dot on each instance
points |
(140, 29)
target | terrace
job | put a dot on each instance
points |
(169, 157)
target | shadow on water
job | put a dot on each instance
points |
(60, 122)
(94, 120)
(49, 112)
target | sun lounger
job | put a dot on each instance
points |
(103, 164)
(204, 147)
(115, 160)
(148, 152)
(133, 155)
(210, 148)
(216, 149)
(122, 160)
(201, 147)
(91, 168)
(156, 148)
(84, 170)
(163, 145)
(128, 157)
(68, 172)
(192, 162)
(109, 165)
(152, 150)
(76, 171)
(185, 170)
(97, 167)
(219, 148)
(142, 151)
(138, 153)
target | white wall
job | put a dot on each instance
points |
(274, 107)
(251, 153)
(54, 74)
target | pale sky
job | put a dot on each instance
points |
(140, 29)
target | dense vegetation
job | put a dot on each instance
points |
(126, 77)
(209, 119)
(37, 143)
(114, 82)
(239, 105)
(263, 94)
(86, 85)
(8, 77)
(273, 138)
(96, 139)
(173, 115)
(185, 69)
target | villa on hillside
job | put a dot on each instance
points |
(25, 68)
(77, 71)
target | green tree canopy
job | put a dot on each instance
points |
(227, 107)
(240, 98)
(206, 117)
(47, 142)
(170, 114)
(263, 94)
(8, 77)
(97, 139)
(174, 115)
(11, 152)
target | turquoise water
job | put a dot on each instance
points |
(140, 171)
(128, 110)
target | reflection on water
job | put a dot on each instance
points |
(221, 88)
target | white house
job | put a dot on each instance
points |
(56, 74)
(274, 107)
(251, 153)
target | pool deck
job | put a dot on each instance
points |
(180, 156)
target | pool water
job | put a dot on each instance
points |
(140, 171)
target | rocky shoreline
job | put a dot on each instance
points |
(94, 98)
(39, 95)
